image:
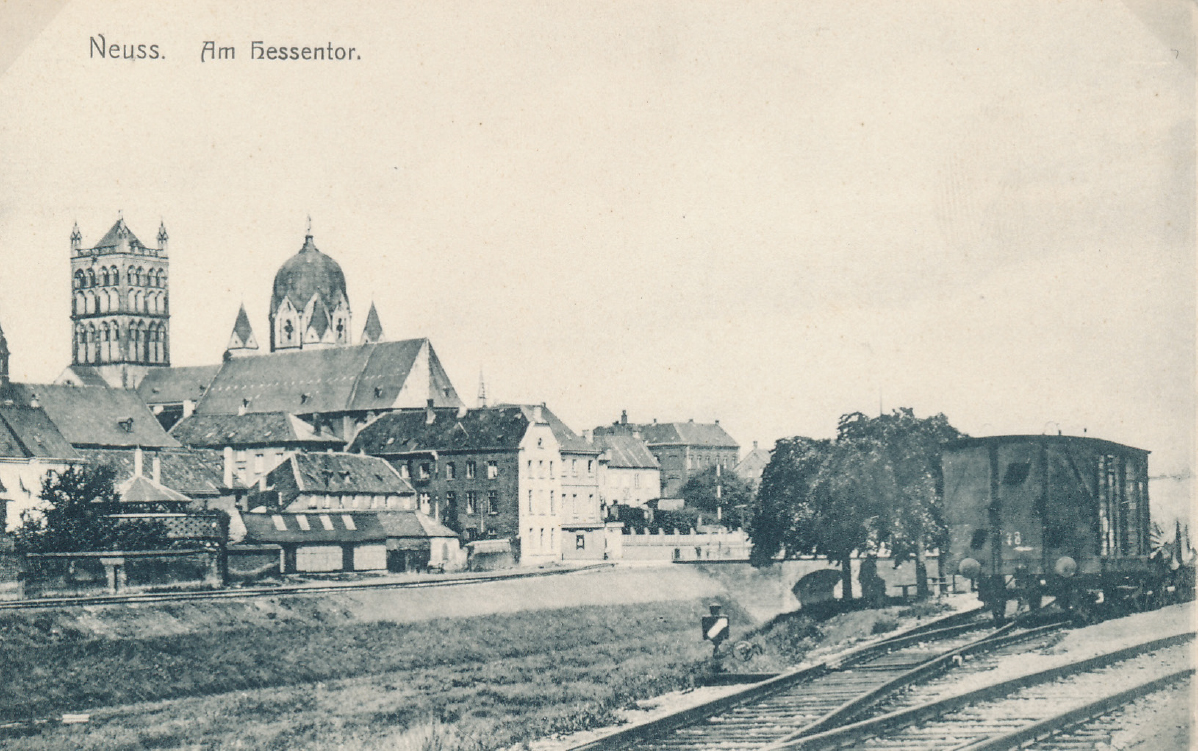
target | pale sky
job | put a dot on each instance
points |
(764, 213)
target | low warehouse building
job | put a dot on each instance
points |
(321, 542)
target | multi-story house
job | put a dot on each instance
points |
(683, 449)
(629, 472)
(254, 443)
(491, 473)
(581, 509)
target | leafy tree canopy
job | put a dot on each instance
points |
(876, 485)
(75, 516)
(716, 488)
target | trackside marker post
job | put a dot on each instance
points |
(715, 627)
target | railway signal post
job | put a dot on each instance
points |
(715, 627)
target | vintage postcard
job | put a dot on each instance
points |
(525, 375)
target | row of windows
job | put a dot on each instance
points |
(111, 276)
(429, 501)
(109, 301)
(143, 343)
(425, 470)
(541, 540)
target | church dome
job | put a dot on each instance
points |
(309, 272)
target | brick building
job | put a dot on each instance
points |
(490, 473)
(682, 449)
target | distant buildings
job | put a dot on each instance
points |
(682, 449)
(630, 473)
(751, 467)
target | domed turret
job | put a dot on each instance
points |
(309, 290)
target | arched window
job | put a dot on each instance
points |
(91, 278)
(89, 304)
(132, 301)
(80, 280)
(162, 278)
(80, 344)
(91, 344)
(104, 343)
(141, 277)
(131, 276)
(80, 303)
(115, 275)
(103, 277)
(102, 301)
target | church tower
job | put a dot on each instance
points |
(309, 306)
(120, 312)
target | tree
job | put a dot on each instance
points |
(877, 485)
(717, 490)
(76, 515)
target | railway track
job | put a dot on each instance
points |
(1008, 714)
(824, 696)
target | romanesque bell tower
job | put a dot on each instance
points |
(120, 311)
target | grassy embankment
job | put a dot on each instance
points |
(491, 681)
(306, 673)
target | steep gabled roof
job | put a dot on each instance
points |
(176, 385)
(340, 473)
(193, 472)
(567, 439)
(90, 416)
(254, 428)
(243, 335)
(365, 377)
(28, 432)
(491, 428)
(627, 452)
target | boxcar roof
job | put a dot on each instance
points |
(1098, 443)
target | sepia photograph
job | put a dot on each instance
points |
(598, 376)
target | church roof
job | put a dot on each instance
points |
(175, 385)
(94, 416)
(243, 335)
(384, 375)
(118, 232)
(373, 330)
(310, 272)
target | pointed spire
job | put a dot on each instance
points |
(76, 237)
(373, 330)
(242, 341)
(482, 400)
(308, 227)
(162, 235)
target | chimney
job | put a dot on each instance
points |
(156, 469)
(189, 407)
(537, 413)
(624, 417)
(429, 415)
(462, 412)
(587, 435)
(262, 482)
(228, 456)
(137, 461)
(755, 445)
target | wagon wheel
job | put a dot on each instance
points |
(745, 651)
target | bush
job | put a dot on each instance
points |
(884, 625)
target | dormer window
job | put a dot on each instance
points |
(126, 424)
(304, 398)
(378, 392)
